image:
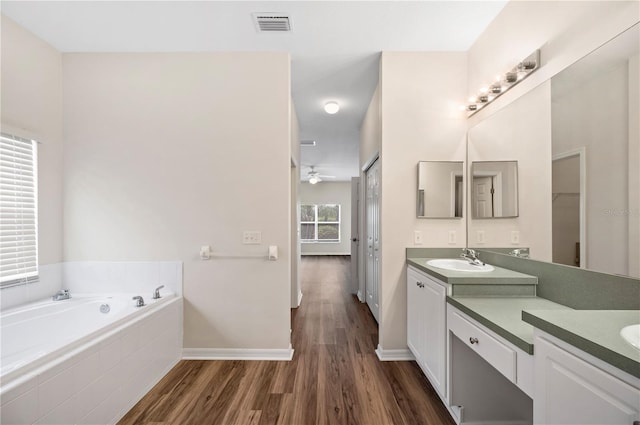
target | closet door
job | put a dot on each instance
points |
(372, 277)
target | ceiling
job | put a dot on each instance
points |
(334, 45)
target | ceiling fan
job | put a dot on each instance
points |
(314, 177)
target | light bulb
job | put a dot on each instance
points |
(313, 180)
(331, 107)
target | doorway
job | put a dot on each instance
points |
(568, 207)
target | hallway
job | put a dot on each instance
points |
(335, 376)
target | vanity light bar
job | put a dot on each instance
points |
(503, 83)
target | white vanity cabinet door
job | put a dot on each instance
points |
(569, 390)
(426, 326)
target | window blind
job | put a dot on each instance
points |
(18, 210)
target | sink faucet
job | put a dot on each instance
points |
(140, 301)
(520, 252)
(62, 294)
(156, 293)
(471, 256)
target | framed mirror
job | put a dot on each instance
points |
(494, 189)
(440, 189)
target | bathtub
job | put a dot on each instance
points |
(69, 362)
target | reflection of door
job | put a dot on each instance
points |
(372, 275)
(483, 189)
(355, 239)
(567, 208)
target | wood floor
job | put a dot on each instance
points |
(335, 376)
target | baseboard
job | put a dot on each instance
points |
(237, 354)
(394, 355)
(299, 298)
(346, 254)
(360, 297)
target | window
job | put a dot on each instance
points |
(18, 211)
(320, 223)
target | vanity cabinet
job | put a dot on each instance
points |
(426, 326)
(571, 388)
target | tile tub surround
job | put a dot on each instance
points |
(574, 287)
(503, 315)
(101, 381)
(596, 332)
(49, 282)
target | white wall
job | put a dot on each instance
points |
(296, 289)
(330, 193)
(634, 171)
(168, 152)
(420, 121)
(31, 108)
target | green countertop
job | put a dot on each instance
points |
(495, 277)
(596, 332)
(504, 315)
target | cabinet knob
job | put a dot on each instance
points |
(473, 340)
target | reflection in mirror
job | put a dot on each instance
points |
(494, 191)
(440, 189)
(596, 159)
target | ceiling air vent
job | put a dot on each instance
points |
(272, 22)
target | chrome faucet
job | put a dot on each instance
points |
(156, 293)
(140, 301)
(62, 294)
(520, 252)
(471, 256)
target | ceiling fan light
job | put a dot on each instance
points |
(313, 180)
(331, 107)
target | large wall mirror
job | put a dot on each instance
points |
(494, 191)
(580, 187)
(596, 159)
(440, 189)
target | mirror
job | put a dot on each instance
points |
(577, 141)
(440, 189)
(596, 159)
(494, 189)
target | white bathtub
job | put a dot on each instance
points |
(54, 353)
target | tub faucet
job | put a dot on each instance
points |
(140, 301)
(62, 294)
(156, 293)
(471, 256)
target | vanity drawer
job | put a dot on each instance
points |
(497, 354)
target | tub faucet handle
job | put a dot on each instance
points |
(156, 293)
(140, 301)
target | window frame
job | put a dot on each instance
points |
(315, 223)
(25, 274)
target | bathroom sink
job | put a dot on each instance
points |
(456, 265)
(631, 334)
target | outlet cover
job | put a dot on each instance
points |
(480, 236)
(515, 237)
(452, 237)
(417, 237)
(252, 237)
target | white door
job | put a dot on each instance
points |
(355, 239)
(483, 189)
(372, 275)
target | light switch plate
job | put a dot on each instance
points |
(452, 237)
(417, 237)
(252, 237)
(515, 237)
(480, 236)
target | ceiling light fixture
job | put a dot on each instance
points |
(313, 179)
(503, 83)
(331, 107)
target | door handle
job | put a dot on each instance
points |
(354, 240)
